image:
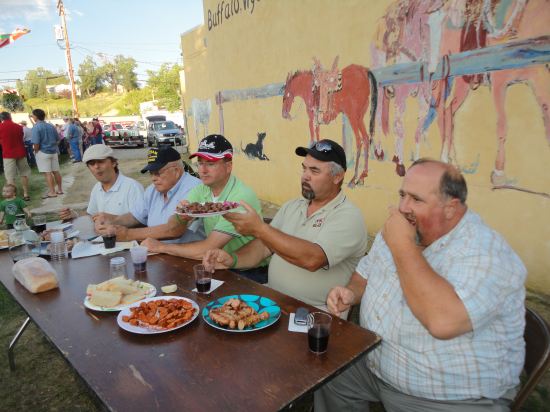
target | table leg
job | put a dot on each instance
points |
(14, 342)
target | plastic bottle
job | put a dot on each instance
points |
(58, 248)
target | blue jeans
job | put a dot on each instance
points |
(96, 140)
(75, 148)
(31, 160)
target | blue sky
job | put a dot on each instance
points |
(148, 31)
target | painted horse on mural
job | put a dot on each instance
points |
(350, 95)
(403, 36)
(471, 24)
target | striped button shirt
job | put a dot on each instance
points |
(488, 277)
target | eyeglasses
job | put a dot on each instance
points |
(322, 146)
(157, 173)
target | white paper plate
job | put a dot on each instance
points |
(152, 292)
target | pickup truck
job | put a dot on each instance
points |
(117, 136)
(161, 131)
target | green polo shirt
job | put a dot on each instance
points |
(339, 228)
(12, 208)
(234, 191)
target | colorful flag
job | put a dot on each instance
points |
(9, 38)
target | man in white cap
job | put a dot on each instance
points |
(114, 193)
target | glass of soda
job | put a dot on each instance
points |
(39, 223)
(318, 331)
(203, 278)
(109, 238)
(139, 258)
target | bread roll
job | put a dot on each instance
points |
(35, 274)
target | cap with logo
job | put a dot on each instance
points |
(214, 147)
(97, 152)
(158, 158)
(325, 150)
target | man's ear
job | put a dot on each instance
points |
(338, 178)
(451, 208)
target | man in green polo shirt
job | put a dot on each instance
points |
(314, 241)
(215, 163)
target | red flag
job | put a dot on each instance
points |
(9, 38)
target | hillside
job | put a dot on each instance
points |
(100, 104)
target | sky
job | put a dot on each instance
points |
(148, 31)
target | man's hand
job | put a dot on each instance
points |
(340, 299)
(216, 259)
(247, 223)
(66, 214)
(153, 245)
(102, 218)
(397, 230)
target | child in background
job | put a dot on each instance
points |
(11, 206)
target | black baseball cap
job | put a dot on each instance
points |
(325, 150)
(214, 147)
(158, 158)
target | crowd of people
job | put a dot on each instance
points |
(443, 290)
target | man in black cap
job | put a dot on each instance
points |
(150, 218)
(314, 241)
(215, 164)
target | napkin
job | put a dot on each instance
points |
(213, 286)
(292, 327)
(85, 249)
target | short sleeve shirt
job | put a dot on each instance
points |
(153, 210)
(45, 135)
(118, 199)
(11, 209)
(488, 277)
(338, 228)
(11, 139)
(234, 191)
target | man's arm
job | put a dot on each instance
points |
(431, 298)
(191, 250)
(341, 298)
(299, 252)
(248, 256)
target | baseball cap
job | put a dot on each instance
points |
(325, 150)
(214, 147)
(97, 152)
(158, 158)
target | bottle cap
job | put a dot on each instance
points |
(118, 261)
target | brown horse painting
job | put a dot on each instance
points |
(358, 88)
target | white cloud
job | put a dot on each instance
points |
(26, 9)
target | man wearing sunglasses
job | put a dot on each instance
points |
(215, 165)
(314, 241)
(149, 218)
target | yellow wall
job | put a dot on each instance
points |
(254, 49)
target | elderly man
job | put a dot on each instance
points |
(150, 216)
(314, 242)
(446, 294)
(215, 155)
(113, 194)
(44, 140)
(14, 153)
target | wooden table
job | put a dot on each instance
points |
(195, 368)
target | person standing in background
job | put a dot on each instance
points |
(97, 132)
(14, 153)
(72, 136)
(27, 140)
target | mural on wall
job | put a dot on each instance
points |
(327, 93)
(200, 110)
(256, 150)
(432, 32)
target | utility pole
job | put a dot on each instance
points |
(61, 11)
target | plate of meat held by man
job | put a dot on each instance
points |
(160, 314)
(207, 209)
(241, 313)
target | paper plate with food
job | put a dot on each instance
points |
(241, 313)
(4, 234)
(160, 314)
(116, 294)
(205, 209)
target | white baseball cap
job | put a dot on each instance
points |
(97, 152)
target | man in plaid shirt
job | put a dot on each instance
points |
(446, 294)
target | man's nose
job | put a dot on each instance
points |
(404, 205)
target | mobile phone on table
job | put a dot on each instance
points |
(300, 317)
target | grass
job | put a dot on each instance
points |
(58, 107)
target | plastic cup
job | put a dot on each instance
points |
(39, 223)
(318, 331)
(109, 239)
(139, 258)
(203, 278)
(117, 267)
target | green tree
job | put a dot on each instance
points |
(165, 85)
(91, 77)
(35, 82)
(12, 102)
(121, 71)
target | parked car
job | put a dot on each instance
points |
(161, 131)
(117, 136)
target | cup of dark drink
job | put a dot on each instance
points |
(203, 278)
(139, 258)
(39, 223)
(109, 239)
(318, 331)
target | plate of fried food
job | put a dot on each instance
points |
(206, 209)
(160, 314)
(241, 313)
(116, 294)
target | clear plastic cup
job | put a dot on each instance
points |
(117, 267)
(203, 278)
(139, 258)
